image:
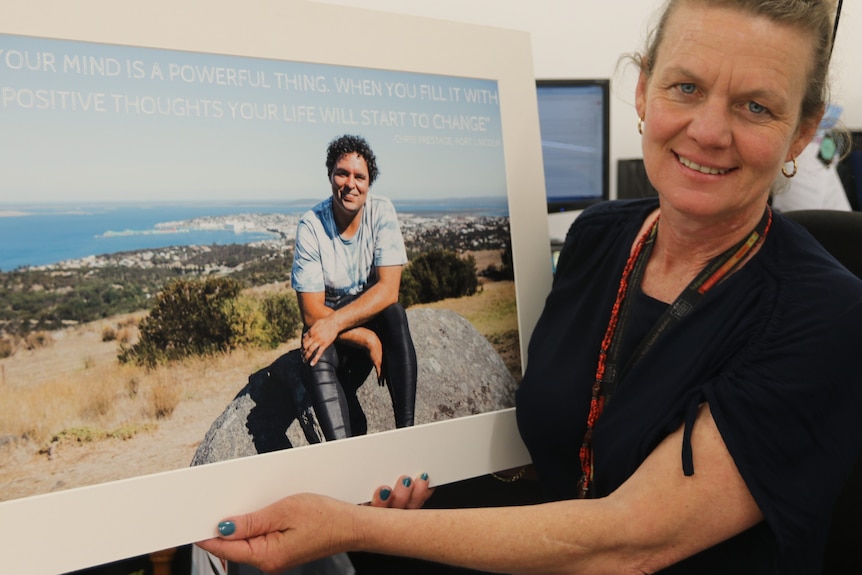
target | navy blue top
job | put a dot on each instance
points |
(775, 350)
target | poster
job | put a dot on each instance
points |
(108, 112)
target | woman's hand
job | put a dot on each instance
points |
(287, 533)
(407, 494)
(305, 527)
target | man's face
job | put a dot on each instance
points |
(350, 184)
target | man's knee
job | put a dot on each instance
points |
(326, 366)
(394, 315)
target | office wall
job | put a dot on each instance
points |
(580, 38)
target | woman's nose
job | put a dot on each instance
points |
(710, 125)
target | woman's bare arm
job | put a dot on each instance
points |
(658, 517)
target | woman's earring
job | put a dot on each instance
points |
(641, 126)
(793, 173)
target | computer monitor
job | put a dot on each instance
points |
(574, 120)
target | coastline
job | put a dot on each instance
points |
(104, 240)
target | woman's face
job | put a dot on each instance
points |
(722, 109)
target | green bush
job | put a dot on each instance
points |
(189, 317)
(438, 274)
(265, 322)
(246, 322)
(193, 317)
(282, 316)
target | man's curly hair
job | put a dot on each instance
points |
(348, 144)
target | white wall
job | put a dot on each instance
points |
(584, 39)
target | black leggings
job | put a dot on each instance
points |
(342, 369)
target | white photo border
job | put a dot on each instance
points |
(83, 527)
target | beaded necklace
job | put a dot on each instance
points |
(608, 374)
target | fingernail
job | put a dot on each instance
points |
(424, 477)
(384, 494)
(226, 528)
(406, 482)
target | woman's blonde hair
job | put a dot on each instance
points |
(815, 17)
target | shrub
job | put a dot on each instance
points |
(248, 324)
(38, 339)
(506, 270)
(6, 347)
(109, 333)
(436, 275)
(189, 317)
(265, 322)
(202, 317)
(282, 317)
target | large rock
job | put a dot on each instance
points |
(459, 373)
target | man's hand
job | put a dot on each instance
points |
(317, 338)
(375, 352)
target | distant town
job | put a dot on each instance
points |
(451, 231)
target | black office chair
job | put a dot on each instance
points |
(841, 234)
(632, 181)
(850, 171)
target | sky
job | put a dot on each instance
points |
(95, 122)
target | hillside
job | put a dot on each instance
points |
(70, 415)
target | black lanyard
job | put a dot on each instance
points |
(716, 270)
(607, 377)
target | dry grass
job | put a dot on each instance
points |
(71, 379)
(77, 382)
(101, 398)
(82, 426)
(71, 415)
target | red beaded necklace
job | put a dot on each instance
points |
(607, 376)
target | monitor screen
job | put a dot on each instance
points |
(574, 120)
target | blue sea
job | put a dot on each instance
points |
(47, 234)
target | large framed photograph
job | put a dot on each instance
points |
(157, 162)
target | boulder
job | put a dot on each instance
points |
(459, 374)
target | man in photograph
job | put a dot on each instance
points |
(347, 268)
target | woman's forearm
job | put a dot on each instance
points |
(565, 537)
(658, 517)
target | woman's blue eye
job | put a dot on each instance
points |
(687, 88)
(756, 108)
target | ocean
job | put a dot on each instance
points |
(47, 234)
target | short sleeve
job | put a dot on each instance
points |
(307, 272)
(389, 247)
(790, 412)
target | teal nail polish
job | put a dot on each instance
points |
(424, 477)
(406, 482)
(384, 494)
(226, 528)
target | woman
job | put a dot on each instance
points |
(705, 419)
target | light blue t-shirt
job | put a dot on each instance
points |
(325, 262)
